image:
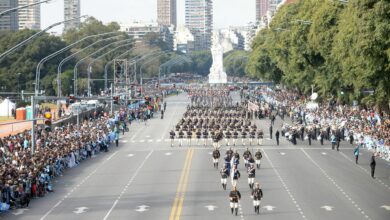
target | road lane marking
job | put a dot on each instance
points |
(333, 181)
(128, 184)
(82, 182)
(181, 188)
(284, 185)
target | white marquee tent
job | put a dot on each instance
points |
(6, 108)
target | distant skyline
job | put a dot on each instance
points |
(226, 12)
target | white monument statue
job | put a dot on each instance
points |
(217, 75)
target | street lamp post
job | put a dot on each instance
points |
(151, 60)
(59, 69)
(11, 50)
(21, 7)
(97, 58)
(75, 69)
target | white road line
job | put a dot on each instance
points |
(82, 182)
(334, 183)
(285, 186)
(128, 184)
(366, 171)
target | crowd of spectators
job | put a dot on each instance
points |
(369, 128)
(25, 174)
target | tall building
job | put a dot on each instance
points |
(199, 20)
(30, 18)
(72, 10)
(9, 21)
(167, 13)
(262, 7)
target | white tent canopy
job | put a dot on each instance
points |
(6, 108)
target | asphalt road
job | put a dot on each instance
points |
(144, 178)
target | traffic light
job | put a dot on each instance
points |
(47, 116)
(116, 100)
(72, 99)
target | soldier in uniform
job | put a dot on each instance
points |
(252, 136)
(172, 135)
(224, 175)
(235, 175)
(228, 135)
(258, 157)
(243, 136)
(181, 136)
(257, 195)
(235, 137)
(260, 136)
(216, 155)
(246, 155)
(234, 196)
(205, 136)
(251, 175)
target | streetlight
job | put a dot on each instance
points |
(11, 50)
(97, 58)
(21, 7)
(59, 69)
(75, 69)
(151, 60)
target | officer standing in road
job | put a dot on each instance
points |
(270, 131)
(234, 196)
(162, 114)
(356, 153)
(373, 165)
(257, 195)
(277, 134)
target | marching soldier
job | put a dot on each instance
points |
(246, 156)
(257, 195)
(252, 136)
(258, 157)
(224, 175)
(181, 136)
(235, 175)
(260, 136)
(234, 196)
(216, 155)
(251, 175)
(172, 136)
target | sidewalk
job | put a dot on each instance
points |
(14, 128)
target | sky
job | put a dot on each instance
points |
(226, 12)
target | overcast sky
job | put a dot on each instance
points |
(226, 12)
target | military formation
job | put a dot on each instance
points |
(213, 120)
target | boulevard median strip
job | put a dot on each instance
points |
(181, 188)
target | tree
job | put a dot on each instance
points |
(235, 62)
(201, 62)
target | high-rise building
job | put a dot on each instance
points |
(9, 21)
(72, 10)
(30, 18)
(199, 20)
(262, 7)
(167, 13)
